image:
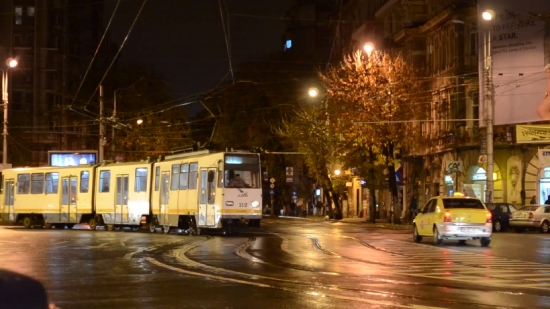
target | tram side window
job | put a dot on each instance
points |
(157, 178)
(174, 185)
(84, 181)
(23, 183)
(52, 182)
(141, 179)
(193, 173)
(37, 183)
(184, 177)
(104, 181)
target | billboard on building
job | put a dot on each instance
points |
(519, 37)
(71, 158)
(532, 134)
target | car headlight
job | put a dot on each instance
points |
(255, 204)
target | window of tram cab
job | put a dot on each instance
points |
(141, 179)
(84, 181)
(193, 175)
(104, 181)
(37, 183)
(23, 183)
(52, 183)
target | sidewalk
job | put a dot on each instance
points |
(380, 223)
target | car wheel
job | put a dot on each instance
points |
(416, 237)
(485, 241)
(544, 227)
(437, 239)
(497, 226)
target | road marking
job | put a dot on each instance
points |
(428, 262)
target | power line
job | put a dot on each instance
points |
(119, 50)
(95, 54)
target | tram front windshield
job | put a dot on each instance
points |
(241, 171)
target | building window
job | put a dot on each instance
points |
(30, 11)
(18, 15)
(17, 40)
(288, 45)
(30, 40)
(473, 43)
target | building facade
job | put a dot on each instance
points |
(441, 38)
(54, 42)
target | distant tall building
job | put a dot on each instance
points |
(54, 42)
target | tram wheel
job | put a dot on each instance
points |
(110, 227)
(166, 229)
(48, 226)
(69, 226)
(92, 223)
(27, 222)
(153, 225)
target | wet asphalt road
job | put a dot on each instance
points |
(284, 264)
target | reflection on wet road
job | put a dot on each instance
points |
(286, 263)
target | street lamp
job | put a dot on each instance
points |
(11, 63)
(313, 92)
(368, 47)
(488, 15)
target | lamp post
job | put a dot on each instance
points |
(488, 15)
(12, 63)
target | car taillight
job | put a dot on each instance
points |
(489, 217)
(531, 215)
(447, 217)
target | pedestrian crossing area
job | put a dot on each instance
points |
(420, 260)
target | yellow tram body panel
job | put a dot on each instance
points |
(47, 195)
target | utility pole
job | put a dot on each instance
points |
(489, 106)
(5, 103)
(101, 126)
(113, 129)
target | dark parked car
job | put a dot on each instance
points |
(501, 215)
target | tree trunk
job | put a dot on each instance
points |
(395, 208)
(372, 206)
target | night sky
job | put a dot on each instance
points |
(183, 41)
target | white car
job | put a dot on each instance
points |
(531, 217)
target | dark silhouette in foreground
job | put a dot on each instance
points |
(18, 291)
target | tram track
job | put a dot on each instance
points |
(196, 268)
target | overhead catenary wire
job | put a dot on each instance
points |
(227, 40)
(119, 50)
(95, 53)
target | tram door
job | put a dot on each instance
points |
(207, 185)
(121, 199)
(7, 212)
(68, 199)
(164, 194)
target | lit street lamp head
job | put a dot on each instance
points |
(313, 92)
(12, 63)
(368, 47)
(488, 15)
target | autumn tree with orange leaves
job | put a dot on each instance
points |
(375, 103)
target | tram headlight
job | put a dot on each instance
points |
(229, 203)
(255, 204)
